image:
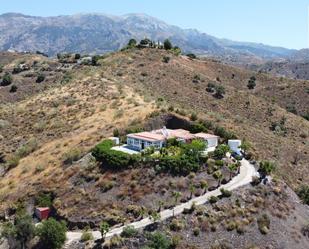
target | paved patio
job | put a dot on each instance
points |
(126, 149)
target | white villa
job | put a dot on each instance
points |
(157, 138)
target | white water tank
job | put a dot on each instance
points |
(234, 145)
(115, 140)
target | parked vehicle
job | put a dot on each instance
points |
(237, 156)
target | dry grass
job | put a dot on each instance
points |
(249, 114)
(66, 121)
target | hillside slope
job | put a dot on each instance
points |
(251, 114)
(63, 122)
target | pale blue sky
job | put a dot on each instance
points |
(274, 22)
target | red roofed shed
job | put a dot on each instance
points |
(42, 212)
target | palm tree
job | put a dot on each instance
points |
(142, 212)
(192, 189)
(176, 196)
(160, 204)
(104, 228)
(232, 168)
(266, 168)
(204, 185)
(238, 164)
(245, 146)
(155, 216)
(218, 176)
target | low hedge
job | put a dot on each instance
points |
(112, 158)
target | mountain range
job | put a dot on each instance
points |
(99, 33)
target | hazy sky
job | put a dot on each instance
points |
(274, 22)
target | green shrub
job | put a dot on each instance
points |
(266, 168)
(30, 146)
(176, 51)
(38, 169)
(94, 60)
(191, 56)
(196, 231)
(226, 135)
(291, 108)
(264, 223)
(176, 225)
(104, 228)
(188, 160)
(158, 240)
(12, 162)
(145, 42)
(132, 43)
(221, 151)
(219, 163)
(77, 56)
(230, 225)
(179, 165)
(44, 200)
(172, 142)
(13, 89)
(220, 91)
(114, 242)
(193, 116)
(52, 233)
(40, 78)
(86, 236)
(306, 115)
(303, 193)
(305, 230)
(166, 59)
(251, 82)
(71, 156)
(278, 127)
(22, 230)
(167, 45)
(6, 79)
(213, 199)
(66, 78)
(197, 127)
(196, 78)
(176, 241)
(129, 232)
(17, 69)
(255, 180)
(225, 192)
(211, 87)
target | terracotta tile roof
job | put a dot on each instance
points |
(158, 135)
(205, 135)
(41, 209)
(148, 136)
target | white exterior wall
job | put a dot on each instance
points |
(137, 143)
(234, 145)
(212, 142)
(115, 140)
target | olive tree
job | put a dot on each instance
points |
(52, 233)
(21, 231)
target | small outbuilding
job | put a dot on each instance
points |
(212, 140)
(115, 140)
(42, 212)
(234, 145)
